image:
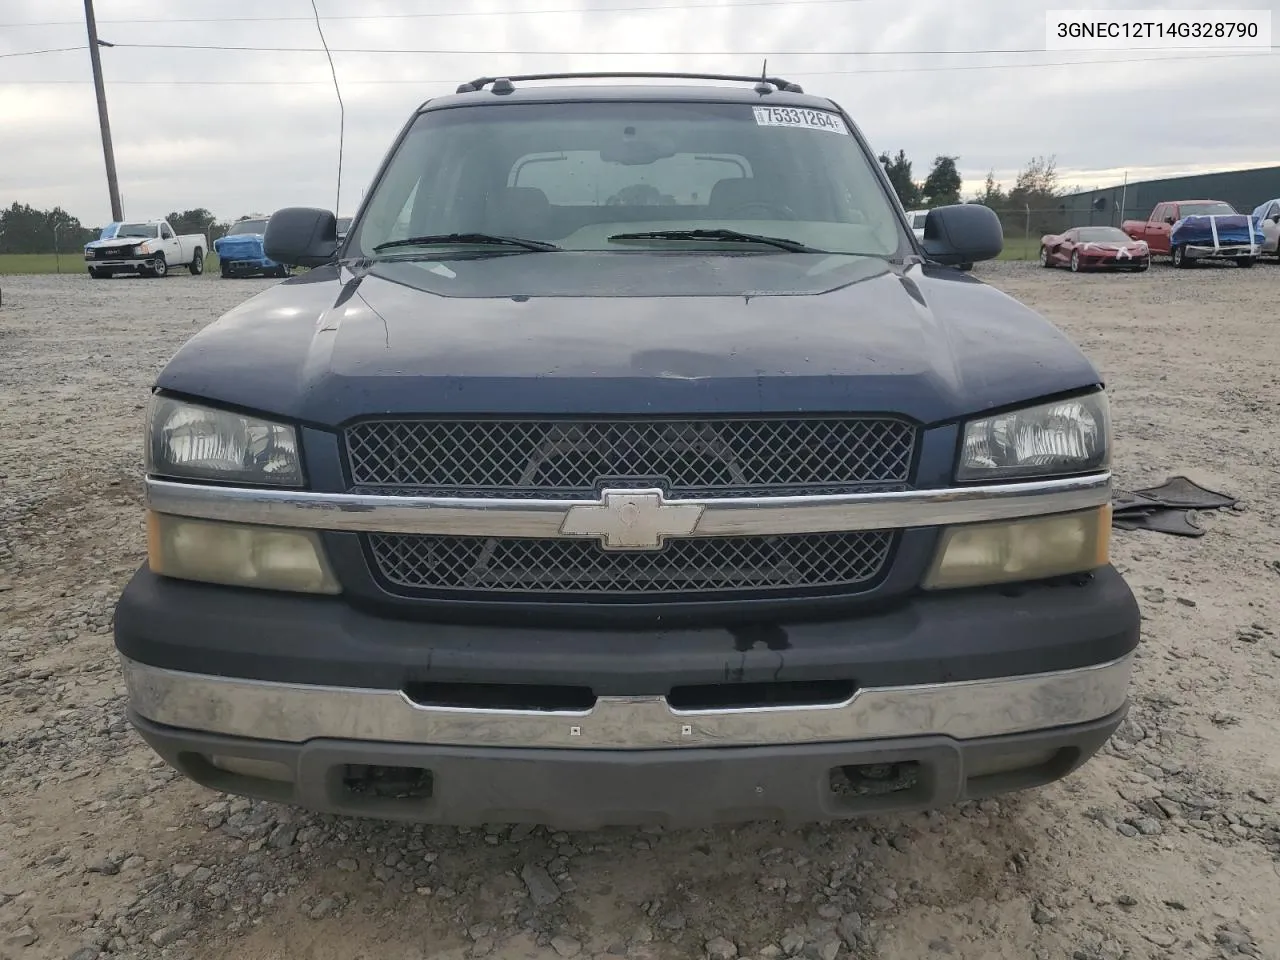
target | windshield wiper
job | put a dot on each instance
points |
(794, 246)
(466, 238)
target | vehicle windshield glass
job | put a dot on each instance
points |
(1103, 235)
(575, 174)
(137, 230)
(1205, 210)
(248, 226)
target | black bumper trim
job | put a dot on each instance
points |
(930, 638)
(583, 790)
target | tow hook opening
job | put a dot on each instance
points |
(377, 782)
(880, 786)
(874, 779)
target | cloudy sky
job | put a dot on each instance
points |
(240, 131)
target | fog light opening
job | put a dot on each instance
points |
(1023, 770)
(249, 767)
(246, 776)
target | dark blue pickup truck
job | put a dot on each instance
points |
(628, 461)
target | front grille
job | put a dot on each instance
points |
(511, 569)
(561, 459)
(116, 253)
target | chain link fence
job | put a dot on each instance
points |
(1024, 228)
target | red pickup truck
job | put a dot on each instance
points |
(1156, 228)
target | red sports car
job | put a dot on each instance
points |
(1083, 248)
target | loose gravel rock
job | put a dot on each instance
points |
(107, 853)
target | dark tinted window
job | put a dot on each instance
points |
(247, 226)
(1102, 235)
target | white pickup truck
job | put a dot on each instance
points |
(149, 247)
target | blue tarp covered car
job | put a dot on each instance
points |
(1232, 237)
(241, 254)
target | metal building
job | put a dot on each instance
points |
(1243, 189)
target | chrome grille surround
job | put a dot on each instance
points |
(745, 520)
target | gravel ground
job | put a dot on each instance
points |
(1166, 845)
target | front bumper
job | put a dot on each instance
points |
(250, 266)
(133, 263)
(973, 693)
(1116, 262)
(1223, 252)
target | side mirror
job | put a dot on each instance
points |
(301, 237)
(962, 234)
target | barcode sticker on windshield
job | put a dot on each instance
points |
(796, 117)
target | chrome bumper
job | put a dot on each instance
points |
(131, 263)
(1224, 251)
(297, 713)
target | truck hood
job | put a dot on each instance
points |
(241, 246)
(116, 242)
(570, 333)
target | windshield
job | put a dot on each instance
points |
(248, 226)
(137, 230)
(576, 174)
(1103, 235)
(1215, 209)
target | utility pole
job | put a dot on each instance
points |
(108, 152)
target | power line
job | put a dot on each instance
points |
(612, 53)
(342, 110)
(464, 13)
(37, 53)
(789, 73)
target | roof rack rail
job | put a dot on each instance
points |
(505, 84)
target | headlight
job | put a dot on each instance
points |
(186, 440)
(1034, 548)
(268, 558)
(144, 248)
(1066, 436)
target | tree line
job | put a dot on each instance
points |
(1036, 188)
(24, 229)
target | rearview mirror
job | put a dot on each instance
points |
(301, 237)
(963, 233)
(638, 153)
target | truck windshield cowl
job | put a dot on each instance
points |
(577, 174)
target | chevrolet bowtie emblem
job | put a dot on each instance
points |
(631, 519)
